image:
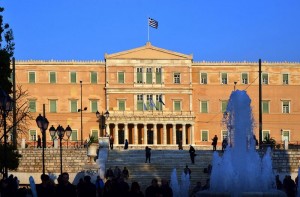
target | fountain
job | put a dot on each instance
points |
(182, 189)
(241, 171)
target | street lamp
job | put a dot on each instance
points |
(6, 104)
(43, 123)
(102, 118)
(60, 133)
(80, 110)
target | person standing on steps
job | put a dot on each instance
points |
(215, 142)
(39, 142)
(192, 154)
(111, 142)
(126, 144)
(148, 154)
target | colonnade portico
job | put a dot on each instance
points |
(158, 133)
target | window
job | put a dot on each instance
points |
(31, 77)
(149, 75)
(224, 106)
(265, 107)
(139, 75)
(265, 134)
(204, 136)
(74, 135)
(286, 107)
(94, 105)
(265, 78)
(204, 106)
(95, 133)
(121, 105)
(285, 135)
(177, 105)
(224, 134)
(177, 78)
(140, 104)
(158, 103)
(73, 77)
(52, 106)
(52, 77)
(94, 77)
(158, 76)
(244, 78)
(32, 105)
(224, 78)
(203, 78)
(121, 77)
(285, 79)
(73, 106)
(32, 135)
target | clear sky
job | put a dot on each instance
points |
(211, 30)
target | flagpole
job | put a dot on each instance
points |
(148, 27)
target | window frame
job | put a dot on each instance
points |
(265, 78)
(286, 109)
(203, 80)
(32, 101)
(50, 106)
(174, 105)
(263, 106)
(51, 77)
(31, 74)
(202, 135)
(158, 75)
(244, 80)
(139, 75)
(202, 105)
(93, 77)
(285, 81)
(92, 103)
(71, 107)
(119, 74)
(224, 81)
(119, 102)
(72, 77)
(176, 78)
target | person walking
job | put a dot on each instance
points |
(187, 170)
(39, 142)
(214, 142)
(148, 154)
(111, 142)
(192, 154)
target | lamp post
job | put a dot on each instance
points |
(43, 123)
(60, 133)
(6, 104)
(80, 110)
(102, 119)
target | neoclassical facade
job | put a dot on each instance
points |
(157, 97)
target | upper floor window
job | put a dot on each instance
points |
(177, 78)
(121, 77)
(158, 76)
(52, 77)
(32, 135)
(285, 135)
(265, 78)
(224, 79)
(204, 106)
(204, 136)
(121, 105)
(265, 134)
(94, 105)
(265, 107)
(32, 105)
(74, 135)
(94, 77)
(285, 79)
(52, 106)
(286, 107)
(244, 78)
(177, 105)
(149, 75)
(224, 134)
(203, 78)
(139, 75)
(158, 102)
(224, 106)
(31, 77)
(140, 103)
(73, 106)
(73, 77)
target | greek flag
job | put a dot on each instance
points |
(151, 104)
(145, 107)
(152, 23)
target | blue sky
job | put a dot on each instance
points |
(211, 30)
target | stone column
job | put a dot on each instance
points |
(116, 133)
(145, 134)
(192, 134)
(164, 134)
(125, 131)
(155, 134)
(136, 141)
(183, 134)
(174, 134)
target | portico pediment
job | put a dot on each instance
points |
(149, 52)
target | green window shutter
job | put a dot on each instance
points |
(94, 106)
(177, 106)
(265, 106)
(244, 78)
(95, 133)
(32, 135)
(285, 78)
(31, 77)
(52, 106)
(139, 77)
(139, 105)
(121, 77)
(224, 106)
(73, 106)
(73, 77)
(204, 136)
(121, 105)
(158, 106)
(94, 77)
(203, 78)
(32, 105)
(52, 77)
(149, 77)
(74, 135)
(204, 107)
(158, 77)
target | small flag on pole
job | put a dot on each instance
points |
(152, 23)
(160, 100)
(152, 105)
(145, 107)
